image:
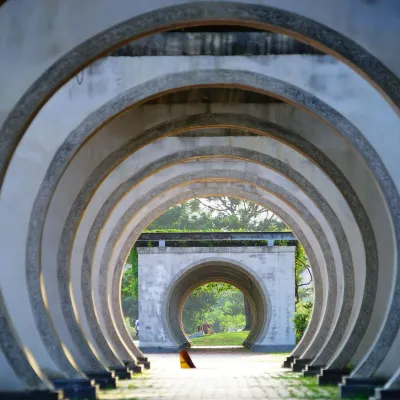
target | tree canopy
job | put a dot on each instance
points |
(219, 214)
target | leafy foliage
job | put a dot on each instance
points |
(130, 287)
(219, 304)
(218, 213)
(302, 317)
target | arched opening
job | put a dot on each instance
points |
(214, 314)
(155, 248)
(218, 271)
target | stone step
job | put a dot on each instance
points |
(355, 387)
(105, 380)
(331, 376)
(37, 395)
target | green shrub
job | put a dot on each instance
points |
(302, 317)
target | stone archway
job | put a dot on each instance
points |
(257, 272)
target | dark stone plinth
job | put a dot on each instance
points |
(77, 389)
(356, 387)
(144, 361)
(312, 370)
(37, 395)
(136, 369)
(331, 376)
(387, 394)
(299, 364)
(146, 364)
(288, 362)
(105, 380)
(122, 373)
(133, 367)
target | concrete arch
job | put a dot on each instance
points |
(232, 188)
(32, 281)
(183, 283)
(385, 340)
(122, 191)
(260, 16)
(137, 204)
(211, 120)
(94, 235)
(186, 192)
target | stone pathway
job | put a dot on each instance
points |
(223, 375)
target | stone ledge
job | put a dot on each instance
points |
(269, 348)
(77, 389)
(354, 387)
(37, 395)
(249, 249)
(387, 394)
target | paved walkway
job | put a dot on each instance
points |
(219, 375)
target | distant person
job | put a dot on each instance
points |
(137, 327)
(206, 328)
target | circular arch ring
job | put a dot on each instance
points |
(241, 193)
(16, 124)
(206, 151)
(224, 270)
(253, 80)
(185, 15)
(258, 83)
(258, 126)
(210, 175)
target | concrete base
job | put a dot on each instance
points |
(387, 394)
(39, 395)
(288, 362)
(167, 350)
(136, 369)
(257, 348)
(313, 370)
(357, 387)
(300, 364)
(146, 364)
(77, 389)
(331, 376)
(123, 373)
(144, 361)
(105, 380)
(133, 367)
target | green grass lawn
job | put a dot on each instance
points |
(221, 339)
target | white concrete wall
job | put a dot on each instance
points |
(158, 267)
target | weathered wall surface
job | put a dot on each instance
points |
(161, 267)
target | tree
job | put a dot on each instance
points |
(301, 265)
(130, 288)
(218, 213)
(302, 317)
(220, 304)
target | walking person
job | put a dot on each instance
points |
(137, 327)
